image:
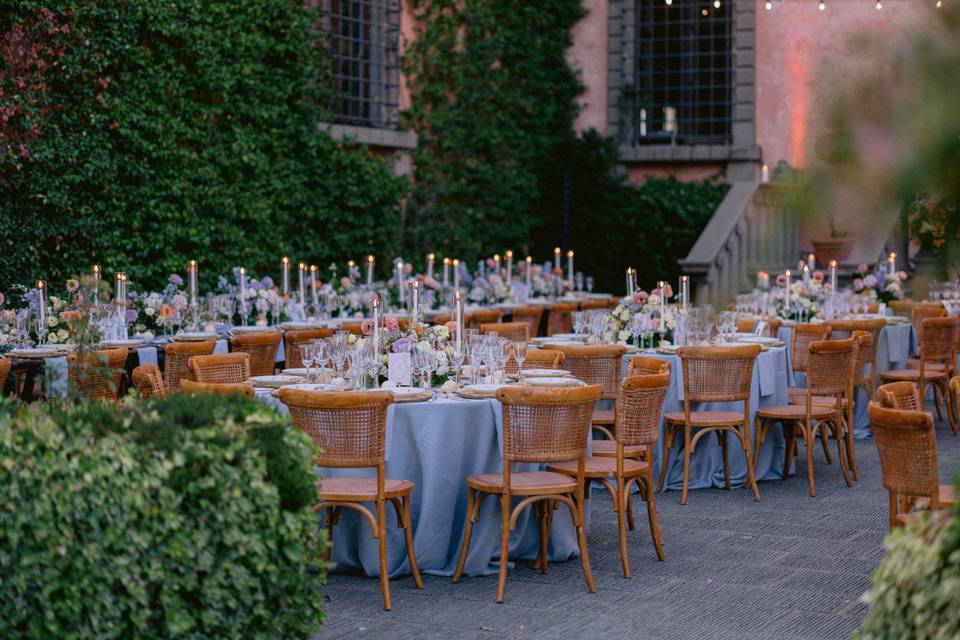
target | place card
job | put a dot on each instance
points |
(398, 368)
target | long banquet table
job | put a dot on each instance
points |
(437, 444)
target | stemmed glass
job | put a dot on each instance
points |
(590, 284)
(519, 354)
(579, 321)
(456, 359)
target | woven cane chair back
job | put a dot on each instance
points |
(475, 319)
(936, 341)
(902, 395)
(639, 407)
(262, 348)
(560, 320)
(546, 425)
(224, 389)
(594, 364)
(923, 310)
(830, 366)
(907, 446)
(97, 374)
(717, 374)
(644, 366)
(531, 315)
(148, 382)
(176, 356)
(802, 336)
(513, 331)
(5, 364)
(292, 340)
(228, 368)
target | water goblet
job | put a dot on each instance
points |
(519, 354)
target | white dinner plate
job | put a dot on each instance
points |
(545, 373)
(274, 381)
(553, 382)
(129, 344)
(569, 336)
(307, 386)
(479, 390)
(759, 340)
(301, 372)
(36, 353)
(293, 326)
(410, 394)
(194, 336)
(252, 329)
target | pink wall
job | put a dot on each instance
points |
(588, 56)
(796, 43)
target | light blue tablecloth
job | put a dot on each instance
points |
(896, 343)
(768, 388)
(436, 445)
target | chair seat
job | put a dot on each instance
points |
(600, 467)
(825, 400)
(603, 416)
(529, 483)
(913, 374)
(608, 449)
(361, 489)
(796, 412)
(706, 418)
(914, 363)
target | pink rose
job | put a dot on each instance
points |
(818, 276)
(642, 295)
(667, 290)
(366, 327)
(392, 323)
(861, 268)
(345, 282)
(781, 280)
(857, 284)
(903, 276)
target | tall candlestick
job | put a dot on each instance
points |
(663, 304)
(456, 274)
(446, 272)
(892, 263)
(833, 276)
(416, 301)
(118, 287)
(529, 273)
(556, 258)
(370, 262)
(314, 284)
(684, 292)
(41, 308)
(400, 281)
(430, 259)
(806, 273)
(812, 262)
(192, 272)
(787, 274)
(376, 325)
(496, 263)
(96, 282)
(570, 267)
(243, 295)
(302, 283)
(285, 276)
(458, 317)
(482, 268)
(509, 255)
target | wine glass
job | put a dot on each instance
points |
(519, 354)
(590, 284)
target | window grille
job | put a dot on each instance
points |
(363, 45)
(683, 73)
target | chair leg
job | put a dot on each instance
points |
(761, 433)
(790, 436)
(826, 446)
(382, 539)
(577, 515)
(655, 531)
(621, 508)
(686, 465)
(328, 554)
(667, 444)
(937, 400)
(848, 436)
(892, 500)
(467, 533)
(504, 546)
(540, 509)
(408, 537)
(751, 465)
(631, 525)
(722, 436)
(809, 440)
(842, 453)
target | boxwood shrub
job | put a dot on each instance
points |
(186, 517)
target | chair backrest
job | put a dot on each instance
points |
(475, 319)
(907, 447)
(97, 374)
(262, 348)
(594, 364)
(586, 305)
(224, 389)
(531, 315)
(864, 348)
(901, 307)
(644, 366)
(920, 311)
(901, 395)
(356, 328)
(293, 339)
(801, 337)
(840, 329)
(746, 325)
(226, 368)
(937, 340)
(148, 382)
(830, 367)
(176, 355)
(514, 331)
(349, 428)
(442, 318)
(543, 359)
(560, 320)
(717, 374)
(546, 425)
(639, 406)
(5, 364)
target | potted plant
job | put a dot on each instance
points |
(836, 247)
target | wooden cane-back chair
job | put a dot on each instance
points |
(292, 340)
(637, 366)
(923, 310)
(223, 388)
(713, 374)
(349, 430)
(829, 377)
(867, 353)
(262, 348)
(356, 328)
(176, 355)
(903, 308)
(531, 315)
(513, 331)
(97, 374)
(148, 381)
(539, 426)
(639, 407)
(475, 319)
(937, 346)
(643, 366)
(801, 337)
(560, 320)
(543, 359)
(596, 364)
(228, 368)
(746, 325)
(907, 447)
(900, 395)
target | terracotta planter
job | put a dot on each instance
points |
(833, 249)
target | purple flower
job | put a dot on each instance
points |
(179, 301)
(267, 282)
(175, 279)
(132, 315)
(256, 285)
(402, 346)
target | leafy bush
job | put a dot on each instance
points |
(187, 517)
(139, 135)
(916, 590)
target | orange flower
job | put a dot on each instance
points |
(557, 271)
(166, 311)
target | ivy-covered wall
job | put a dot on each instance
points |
(139, 135)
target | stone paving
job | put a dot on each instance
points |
(790, 567)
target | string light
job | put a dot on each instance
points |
(704, 12)
(669, 2)
(769, 5)
(823, 5)
(716, 4)
(939, 3)
(879, 5)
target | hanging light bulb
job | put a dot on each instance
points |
(716, 4)
(769, 5)
(823, 5)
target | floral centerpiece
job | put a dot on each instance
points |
(263, 304)
(428, 339)
(806, 297)
(489, 289)
(878, 285)
(617, 328)
(346, 296)
(152, 312)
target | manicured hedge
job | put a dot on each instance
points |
(188, 517)
(139, 135)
